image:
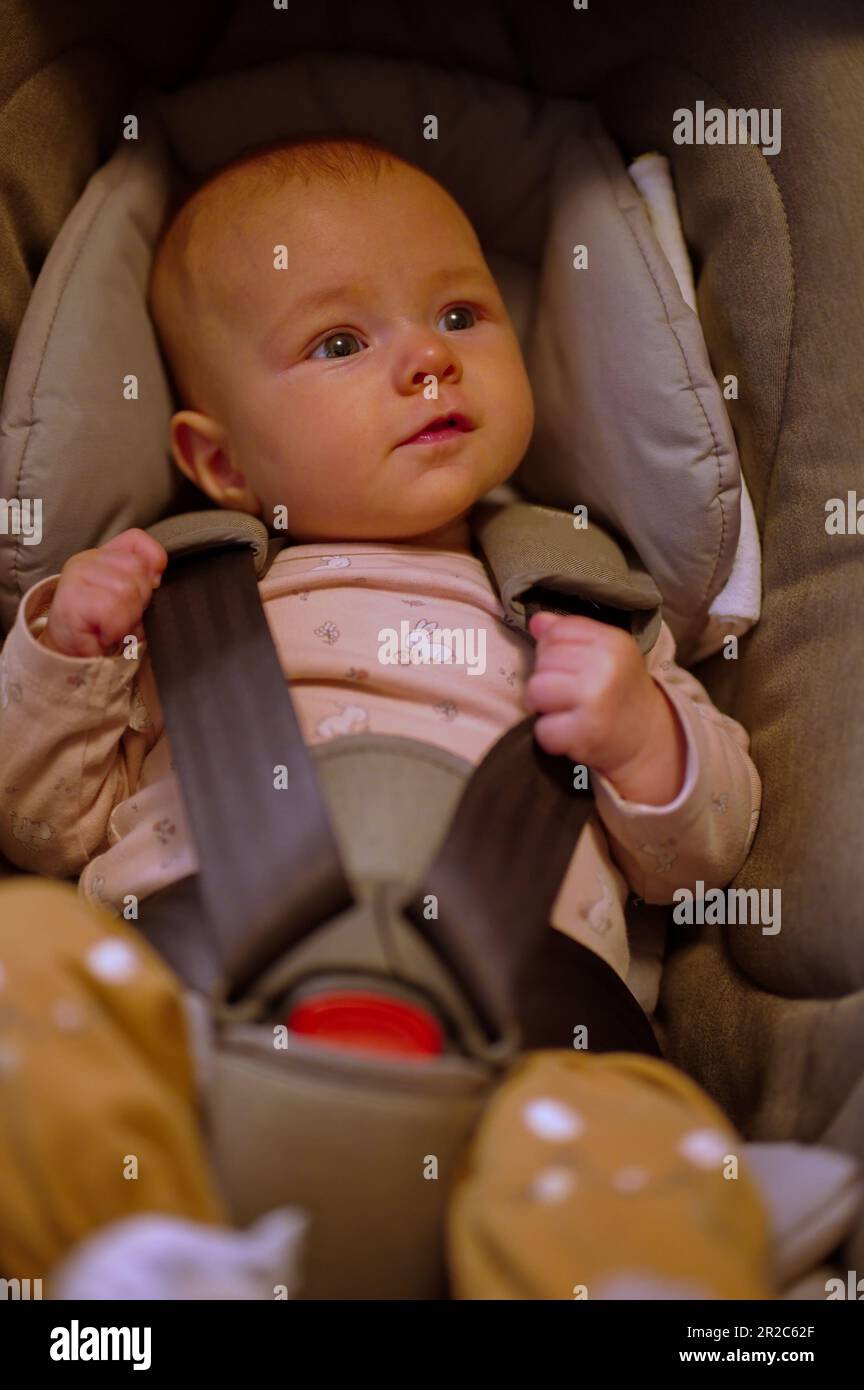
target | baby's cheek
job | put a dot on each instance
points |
(279, 493)
(515, 399)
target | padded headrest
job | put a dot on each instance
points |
(630, 420)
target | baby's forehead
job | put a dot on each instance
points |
(246, 227)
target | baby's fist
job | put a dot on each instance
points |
(102, 594)
(599, 705)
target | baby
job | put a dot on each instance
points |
(344, 360)
(309, 392)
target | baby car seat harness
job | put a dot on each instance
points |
(268, 879)
(356, 993)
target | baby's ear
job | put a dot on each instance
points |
(196, 443)
(200, 448)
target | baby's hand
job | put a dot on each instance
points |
(600, 706)
(102, 595)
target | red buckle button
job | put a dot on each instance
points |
(368, 1022)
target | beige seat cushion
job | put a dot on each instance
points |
(630, 420)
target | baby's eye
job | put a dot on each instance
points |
(454, 315)
(341, 346)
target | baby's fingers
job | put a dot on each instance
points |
(122, 574)
(540, 623)
(568, 627)
(112, 610)
(145, 548)
(564, 656)
(91, 618)
(558, 733)
(60, 637)
(549, 691)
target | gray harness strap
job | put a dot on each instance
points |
(272, 878)
(495, 877)
(270, 867)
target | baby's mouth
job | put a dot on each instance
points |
(442, 427)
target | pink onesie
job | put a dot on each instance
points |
(381, 637)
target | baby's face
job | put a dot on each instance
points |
(319, 374)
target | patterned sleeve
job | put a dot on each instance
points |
(73, 736)
(706, 831)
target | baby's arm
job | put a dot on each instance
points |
(704, 832)
(67, 753)
(704, 825)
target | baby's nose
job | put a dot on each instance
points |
(432, 356)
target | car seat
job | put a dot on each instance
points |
(781, 1054)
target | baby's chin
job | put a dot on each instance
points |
(400, 508)
(378, 528)
(440, 496)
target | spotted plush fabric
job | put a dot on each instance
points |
(97, 1088)
(605, 1177)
